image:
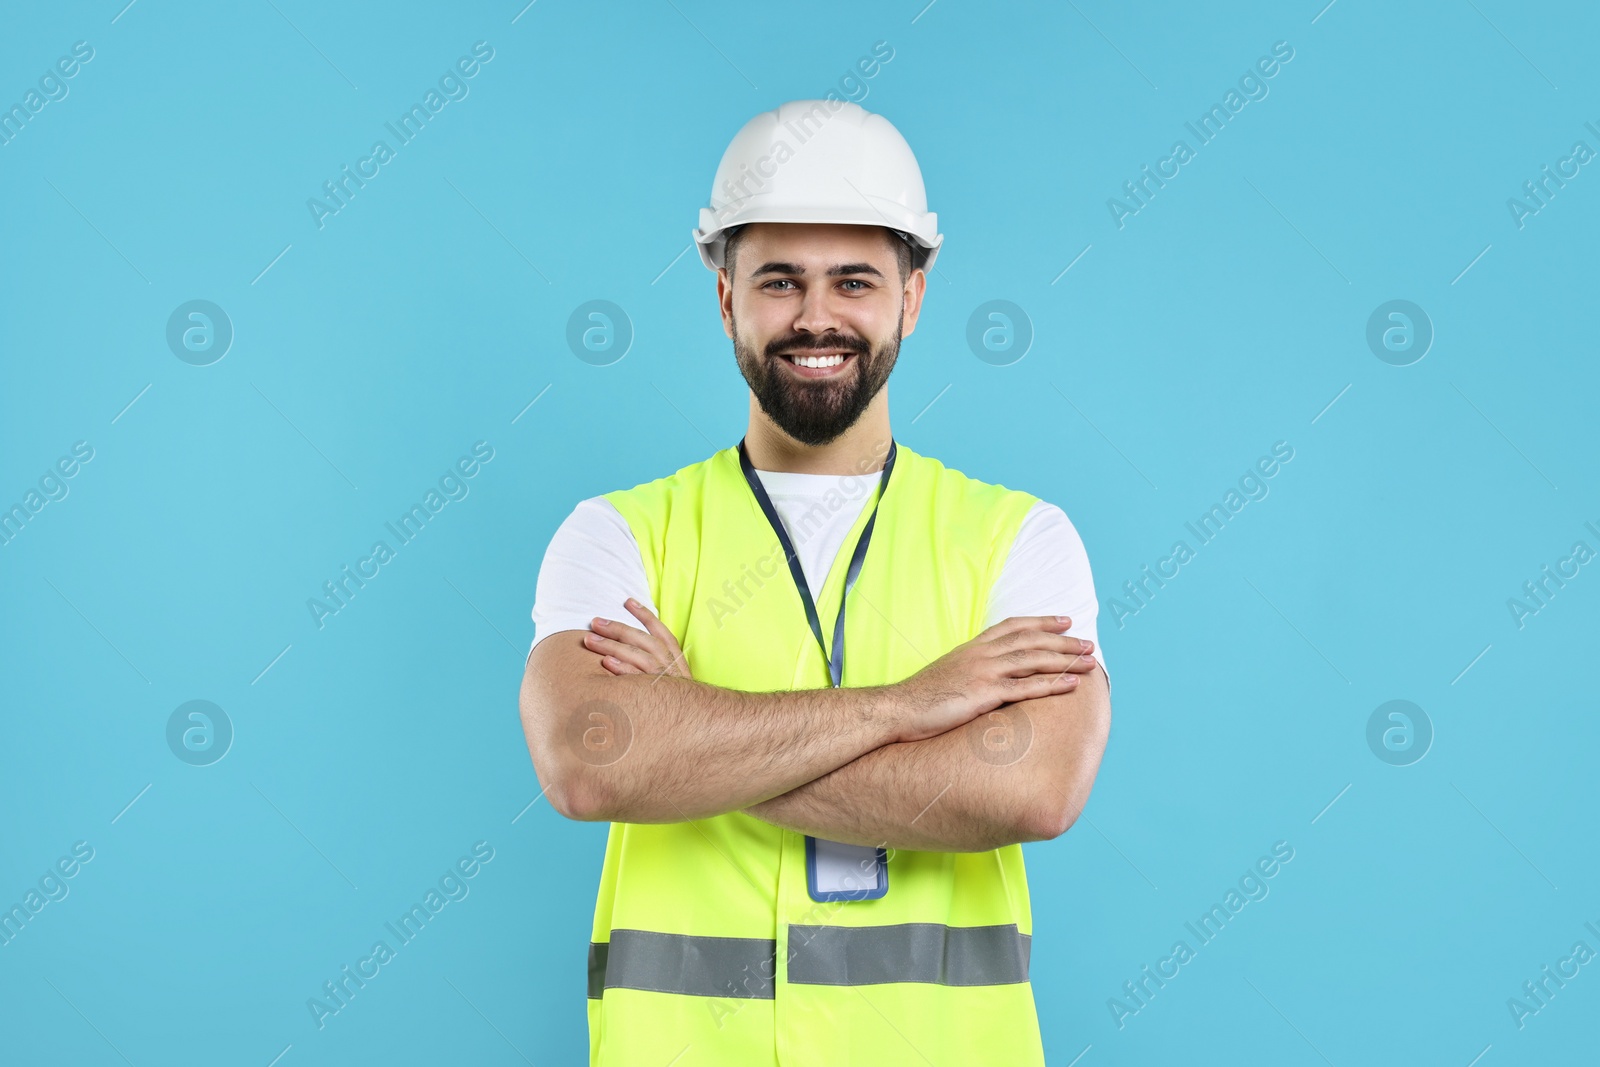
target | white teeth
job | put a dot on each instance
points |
(818, 361)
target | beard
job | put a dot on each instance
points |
(815, 411)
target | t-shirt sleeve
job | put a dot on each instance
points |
(1047, 573)
(591, 566)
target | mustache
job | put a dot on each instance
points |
(826, 341)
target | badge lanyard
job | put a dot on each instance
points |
(838, 851)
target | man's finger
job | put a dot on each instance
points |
(1021, 639)
(1020, 623)
(628, 635)
(1026, 630)
(657, 628)
(643, 658)
(1023, 662)
(616, 666)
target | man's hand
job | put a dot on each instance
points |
(629, 650)
(1015, 659)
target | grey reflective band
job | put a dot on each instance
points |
(742, 967)
(908, 952)
(598, 951)
(737, 967)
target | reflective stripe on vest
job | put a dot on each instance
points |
(682, 963)
(742, 967)
(908, 952)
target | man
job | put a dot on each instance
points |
(816, 813)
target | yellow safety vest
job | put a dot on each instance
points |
(707, 948)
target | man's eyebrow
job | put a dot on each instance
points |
(833, 272)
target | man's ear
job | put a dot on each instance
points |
(725, 299)
(911, 300)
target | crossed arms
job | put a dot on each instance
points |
(996, 742)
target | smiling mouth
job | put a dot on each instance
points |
(817, 362)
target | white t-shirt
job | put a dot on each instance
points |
(593, 562)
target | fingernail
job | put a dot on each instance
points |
(1063, 619)
(1088, 646)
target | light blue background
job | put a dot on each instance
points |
(1228, 314)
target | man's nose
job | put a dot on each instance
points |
(817, 312)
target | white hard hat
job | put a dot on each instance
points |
(819, 161)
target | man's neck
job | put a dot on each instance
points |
(861, 449)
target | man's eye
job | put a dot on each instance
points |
(856, 281)
(777, 281)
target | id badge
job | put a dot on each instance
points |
(838, 871)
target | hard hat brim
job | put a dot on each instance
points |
(710, 237)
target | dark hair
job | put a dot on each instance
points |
(900, 245)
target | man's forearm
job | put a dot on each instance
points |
(928, 795)
(667, 749)
(954, 793)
